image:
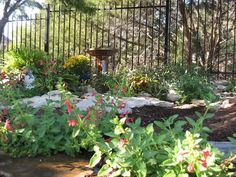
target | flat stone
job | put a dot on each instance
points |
(172, 96)
(224, 146)
(198, 102)
(215, 106)
(226, 104)
(221, 88)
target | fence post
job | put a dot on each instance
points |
(167, 36)
(47, 25)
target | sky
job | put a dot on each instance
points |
(29, 11)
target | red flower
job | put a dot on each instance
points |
(7, 125)
(122, 105)
(101, 101)
(52, 62)
(124, 90)
(72, 123)
(5, 111)
(122, 142)
(88, 114)
(129, 120)
(94, 94)
(204, 162)
(206, 153)
(69, 106)
(190, 167)
(3, 75)
(100, 113)
(79, 116)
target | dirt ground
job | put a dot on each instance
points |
(223, 124)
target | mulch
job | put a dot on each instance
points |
(223, 124)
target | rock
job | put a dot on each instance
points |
(84, 104)
(221, 88)
(225, 104)
(198, 102)
(145, 95)
(90, 89)
(172, 96)
(215, 106)
(231, 99)
(186, 106)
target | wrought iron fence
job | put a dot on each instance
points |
(148, 33)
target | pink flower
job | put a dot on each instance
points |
(69, 106)
(52, 62)
(94, 94)
(122, 142)
(80, 116)
(3, 75)
(190, 167)
(122, 105)
(7, 125)
(129, 120)
(5, 111)
(88, 114)
(72, 123)
(182, 154)
(204, 162)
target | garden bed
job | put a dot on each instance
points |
(223, 124)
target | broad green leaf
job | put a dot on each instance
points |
(75, 133)
(95, 159)
(106, 169)
(191, 121)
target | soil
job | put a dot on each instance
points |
(223, 124)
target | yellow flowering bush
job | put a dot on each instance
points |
(78, 64)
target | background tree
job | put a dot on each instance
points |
(10, 7)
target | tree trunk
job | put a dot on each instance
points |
(186, 32)
(3, 23)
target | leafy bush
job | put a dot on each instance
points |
(136, 151)
(191, 85)
(231, 86)
(79, 65)
(45, 131)
(21, 58)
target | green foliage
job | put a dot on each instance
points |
(139, 151)
(21, 58)
(29, 132)
(193, 85)
(231, 86)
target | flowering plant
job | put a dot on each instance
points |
(79, 65)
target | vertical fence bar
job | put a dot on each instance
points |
(145, 40)
(167, 37)
(114, 38)
(17, 34)
(132, 55)
(205, 32)
(97, 28)
(64, 34)
(234, 49)
(80, 31)
(91, 32)
(159, 32)
(190, 31)
(169, 47)
(35, 29)
(47, 25)
(139, 30)
(103, 14)
(53, 31)
(152, 33)
(198, 23)
(127, 33)
(40, 30)
(218, 59)
(212, 31)
(30, 31)
(183, 40)
(68, 53)
(59, 31)
(227, 38)
(26, 21)
(21, 31)
(121, 29)
(85, 31)
(176, 31)
(109, 25)
(8, 36)
(75, 19)
(12, 34)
